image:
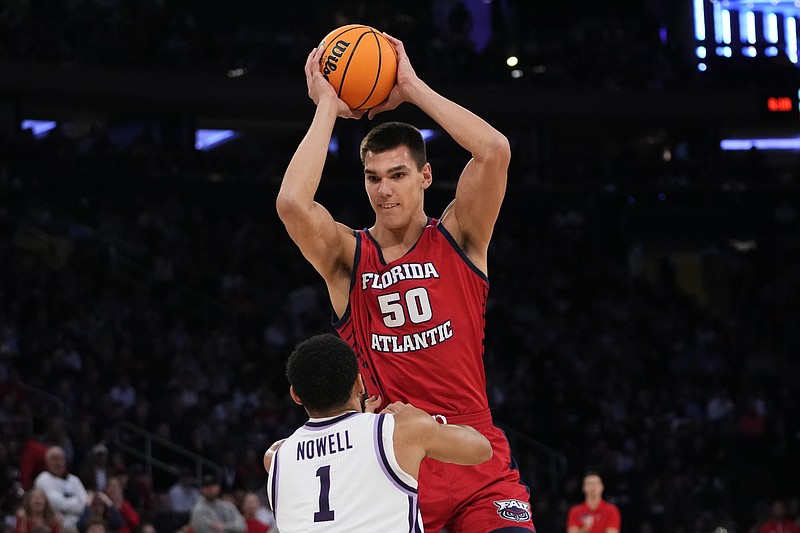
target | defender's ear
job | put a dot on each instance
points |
(294, 396)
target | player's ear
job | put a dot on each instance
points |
(427, 176)
(294, 396)
(362, 388)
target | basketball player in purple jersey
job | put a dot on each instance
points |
(409, 293)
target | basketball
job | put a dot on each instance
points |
(360, 64)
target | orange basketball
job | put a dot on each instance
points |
(360, 63)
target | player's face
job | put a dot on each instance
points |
(395, 185)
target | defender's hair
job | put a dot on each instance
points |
(322, 370)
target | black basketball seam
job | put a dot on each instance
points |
(349, 59)
(377, 74)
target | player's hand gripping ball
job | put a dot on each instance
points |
(360, 64)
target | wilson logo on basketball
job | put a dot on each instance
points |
(337, 52)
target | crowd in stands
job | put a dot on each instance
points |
(132, 293)
(581, 44)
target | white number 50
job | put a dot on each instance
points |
(418, 307)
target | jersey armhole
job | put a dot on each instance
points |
(337, 322)
(440, 227)
(272, 484)
(384, 449)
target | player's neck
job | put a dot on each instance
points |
(353, 406)
(395, 242)
(593, 502)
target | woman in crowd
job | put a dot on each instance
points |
(36, 515)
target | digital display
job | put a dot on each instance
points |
(745, 29)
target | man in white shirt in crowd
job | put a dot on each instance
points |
(65, 492)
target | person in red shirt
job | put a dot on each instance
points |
(594, 515)
(130, 517)
(409, 293)
(250, 507)
(778, 521)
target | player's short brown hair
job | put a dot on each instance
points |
(390, 135)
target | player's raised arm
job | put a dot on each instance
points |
(310, 225)
(482, 184)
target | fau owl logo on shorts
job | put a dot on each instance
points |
(514, 510)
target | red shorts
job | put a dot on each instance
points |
(474, 499)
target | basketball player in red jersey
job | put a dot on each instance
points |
(410, 292)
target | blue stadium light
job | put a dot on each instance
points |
(428, 134)
(38, 127)
(749, 51)
(726, 26)
(724, 51)
(702, 67)
(209, 139)
(749, 27)
(791, 39)
(771, 51)
(718, 22)
(699, 21)
(771, 27)
(333, 145)
(785, 144)
(700, 52)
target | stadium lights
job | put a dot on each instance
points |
(209, 139)
(787, 144)
(699, 21)
(427, 134)
(39, 128)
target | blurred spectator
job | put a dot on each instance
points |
(11, 491)
(100, 509)
(594, 515)
(65, 491)
(779, 521)
(94, 471)
(123, 393)
(213, 514)
(138, 488)
(184, 494)
(32, 461)
(229, 480)
(259, 519)
(250, 471)
(96, 525)
(56, 434)
(36, 515)
(131, 518)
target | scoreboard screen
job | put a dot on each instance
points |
(745, 29)
(752, 42)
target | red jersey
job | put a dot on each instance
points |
(605, 516)
(255, 526)
(417, 324)
(779, 526)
